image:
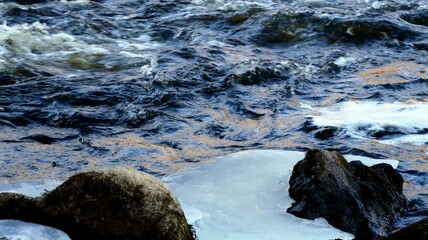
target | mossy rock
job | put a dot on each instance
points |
(111, 204)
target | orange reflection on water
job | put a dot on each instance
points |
(394, 73)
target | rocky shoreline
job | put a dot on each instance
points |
(129, 204)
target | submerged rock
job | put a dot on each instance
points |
(415, 231)
(351, 196)
(114, 204)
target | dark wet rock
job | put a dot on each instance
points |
(7, 79)
(326, 133)
(114, 204)
(45, 139)
(421, 46)
(418, 17)
(353, 197)
(285, 26)
(7, 175)
(415, 231)
(362, 30)
(385, 132)
(41, 138)
(308, 126)
(254, 76)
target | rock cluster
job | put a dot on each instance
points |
(351, 196)
(113, 204)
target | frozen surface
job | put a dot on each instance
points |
(238, 196)
(244, 196)
(14, 230)
(29, 188)
(408, 121)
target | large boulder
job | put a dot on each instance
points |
(351, 196)
(415, 231)
(114, 204)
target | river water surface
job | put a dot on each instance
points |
(167, 85)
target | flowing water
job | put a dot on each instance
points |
(167, 85)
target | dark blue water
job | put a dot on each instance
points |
(164, 85)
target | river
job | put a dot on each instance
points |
(167, 85)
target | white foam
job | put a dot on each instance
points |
(344, 61)
(39, 42)
(361, 118)
(231, 5)
(149, 69)
(131, 55)
(27, 38)
(136, 44)
(245, 195)
(35, 41)
(74, 1)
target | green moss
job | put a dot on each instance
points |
(343, 162)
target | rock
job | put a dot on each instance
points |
(113, 204)
(415, 231)
(352, 197)
(326, 133)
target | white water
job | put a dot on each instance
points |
(228, 5)
(37, 42)
(238, 196)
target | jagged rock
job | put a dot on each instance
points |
(415, 231)
(114, 204)
(352, 197)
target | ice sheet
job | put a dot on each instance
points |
(29, 188)
(245, 195)
(18, 230)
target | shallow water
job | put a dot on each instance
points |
(166, 85)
